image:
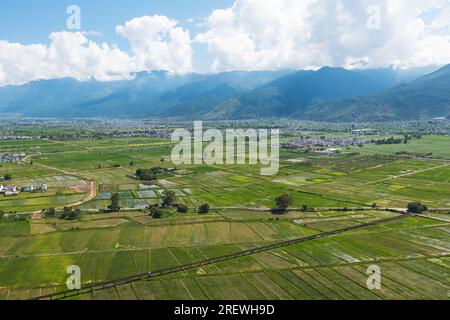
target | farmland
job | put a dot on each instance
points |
(368, 182)
(115, 247)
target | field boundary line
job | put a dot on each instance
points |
(432, 218)
(408, 174)
(91, 195)
(158, 273)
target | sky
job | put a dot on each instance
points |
(111, 40)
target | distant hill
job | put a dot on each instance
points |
(295, 93)
(147, 94)
(71, 98)
(328, 94)
(424, 98)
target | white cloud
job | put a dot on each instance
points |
(274, 34)
(156, 44)
(250, 35)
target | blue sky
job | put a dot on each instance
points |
(31, 21)
(121, 37)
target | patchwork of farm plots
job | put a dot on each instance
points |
(393, 184)
(414, 255)
(348, 180)
(62, 190)
(438, 146)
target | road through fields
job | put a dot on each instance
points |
(92, 187)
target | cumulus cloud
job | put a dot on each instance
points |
(156, 44)
(250, 35)
(269, 34)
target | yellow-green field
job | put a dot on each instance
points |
(413, 254)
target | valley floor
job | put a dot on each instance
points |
(413, 253)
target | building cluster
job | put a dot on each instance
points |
(11, 157)
(326, 142)
(162, 134)
(13, 138)
(9, 191)
(365, 132)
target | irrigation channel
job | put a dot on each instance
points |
(158, 273)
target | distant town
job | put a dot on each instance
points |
(320, 143)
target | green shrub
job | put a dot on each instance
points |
(204, 208)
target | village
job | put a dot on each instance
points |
(312, 142)
(12, 190)
(11, 157)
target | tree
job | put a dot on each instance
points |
(154, 211)
(146, 174)
(169, 198)
(182, 208)
(305, 208)
(73, 215)
(157, 214)
(284, 201)
(50, 212)
(115, 202)
(131, 163)
(69, 214)
(416, 207)
(7, 177)
(66, 212)
(204, 208)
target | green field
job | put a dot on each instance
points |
(412, 251)
(413, 254)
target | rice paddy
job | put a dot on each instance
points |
(413, 254)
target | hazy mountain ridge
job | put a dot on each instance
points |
(328, 94)
(424, 98)
(295, 93)
(148, 94)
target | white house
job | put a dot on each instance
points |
(28, 188)
(11, 189)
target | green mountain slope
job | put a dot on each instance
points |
(425, 98)
(295, 93)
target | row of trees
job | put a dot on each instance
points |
(390, 140)
(67, 213)
(151, 174)
(156, 211)
(285, 200)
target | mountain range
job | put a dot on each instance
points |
(328, 94)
